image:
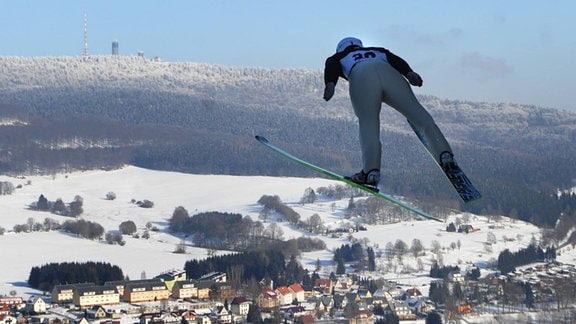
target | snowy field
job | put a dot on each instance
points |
(147, 258)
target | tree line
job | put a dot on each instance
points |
(232, 231)
(47, 276)
(508, 261)
(364, 258)
(269, 263)
(73, 209)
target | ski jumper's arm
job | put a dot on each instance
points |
(333, 69)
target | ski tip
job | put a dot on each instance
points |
(261, 139)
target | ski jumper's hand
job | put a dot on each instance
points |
(329, 90)
(414, 78)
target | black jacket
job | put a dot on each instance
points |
(333, 68)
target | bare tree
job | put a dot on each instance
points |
(400, 248)
(110, 196)
(315, 223)
(274, 231)
(309, 196)
(490, 238)
(436, 247)
(416, 247)
(76, 207)
(180, 247)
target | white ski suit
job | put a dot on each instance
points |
(376, 75)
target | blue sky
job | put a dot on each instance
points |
(494, 51)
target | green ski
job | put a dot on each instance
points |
(341, 178)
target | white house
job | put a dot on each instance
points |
(36, 305)
(284, 295)
(297, 292)
(240, 306)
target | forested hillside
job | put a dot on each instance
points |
(63, 113)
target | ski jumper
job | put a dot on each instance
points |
(375, 75)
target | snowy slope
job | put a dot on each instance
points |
(199, 193)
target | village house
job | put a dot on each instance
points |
(204, 288)
(189, 317)
(412, 293)
(455, 277)
(402, 310)
(120, 285)
(352, 297)
(381, 297)
(323, 286)
(322, 304)
(297, 292)
(87, 296)
(65, 293)
(171, 277)
(343, 284)
(224, 291)
(185, 289)
(364, 317)
(284, 295)
(340, 301)
(222, 315)
(240, 306)
(267, 300)
(214, 276)
(466, 228)
(309, 291)
(152, 290)
(203, 319)
(294, 312)
(17, 302)
(96, 312)
(36, 305)
(365, 294)
(160, 318)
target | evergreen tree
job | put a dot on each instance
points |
(179, 219)
(59, 207)
(371, 259)
(76, 206)
(340, 267)
(530, 299)
(42, 203)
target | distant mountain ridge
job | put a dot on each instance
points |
(105, 111)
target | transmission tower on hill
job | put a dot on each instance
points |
(85, 52)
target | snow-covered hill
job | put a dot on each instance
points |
(198, 193)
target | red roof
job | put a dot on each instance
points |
(322, 282)
(296, 288)
(283, 290)
(268, 293)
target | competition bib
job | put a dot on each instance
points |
(359, 55)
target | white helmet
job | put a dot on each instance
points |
(346, 42)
